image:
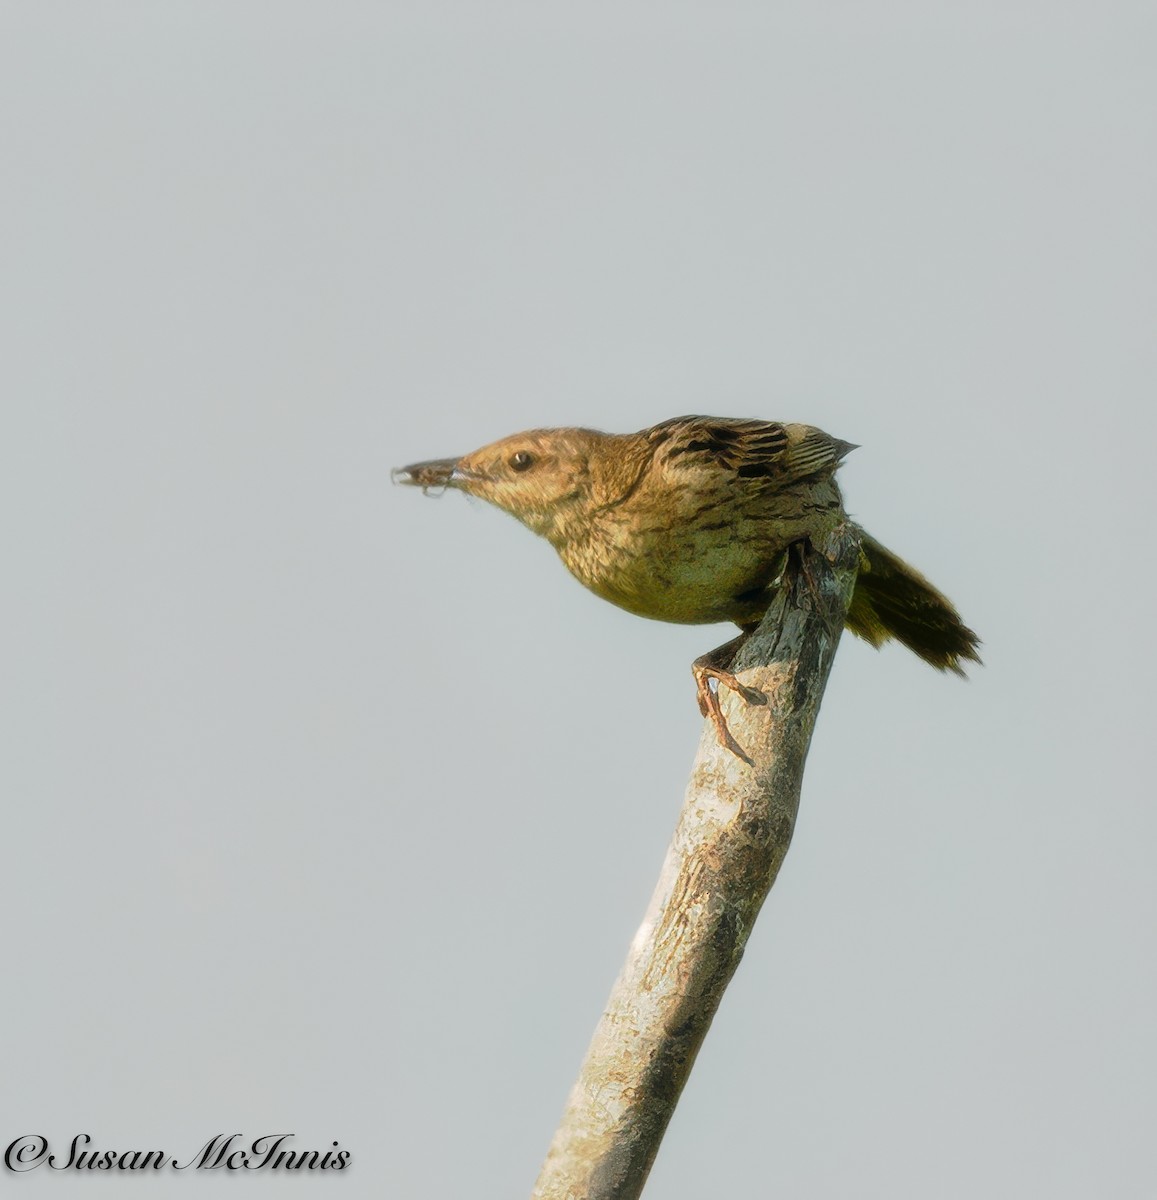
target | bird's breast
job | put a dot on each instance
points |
(687, 576)
(696, 554)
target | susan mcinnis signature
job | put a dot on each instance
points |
(270, 1152)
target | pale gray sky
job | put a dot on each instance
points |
(331, 809)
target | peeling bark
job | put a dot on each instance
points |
(732, 835)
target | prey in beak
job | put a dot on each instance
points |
(438, 473)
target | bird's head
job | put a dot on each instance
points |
(543, 477)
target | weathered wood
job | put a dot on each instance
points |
(731, 838)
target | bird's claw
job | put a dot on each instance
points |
(709, 703)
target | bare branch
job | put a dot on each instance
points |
(732, 835)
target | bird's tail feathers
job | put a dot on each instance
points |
(893, 600)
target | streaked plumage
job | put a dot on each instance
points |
(688, 521)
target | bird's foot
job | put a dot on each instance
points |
(713, 665)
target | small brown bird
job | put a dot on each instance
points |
(690, 521)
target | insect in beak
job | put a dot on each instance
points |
(438, 473)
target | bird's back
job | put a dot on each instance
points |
(698, 535)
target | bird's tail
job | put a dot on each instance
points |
(892, 600)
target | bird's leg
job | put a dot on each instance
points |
(801, 552)
(713, 665)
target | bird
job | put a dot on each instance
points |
(691, 521)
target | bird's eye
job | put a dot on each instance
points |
(521, 461)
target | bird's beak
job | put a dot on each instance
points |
(438, 473)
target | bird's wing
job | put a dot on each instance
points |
(756, 450)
